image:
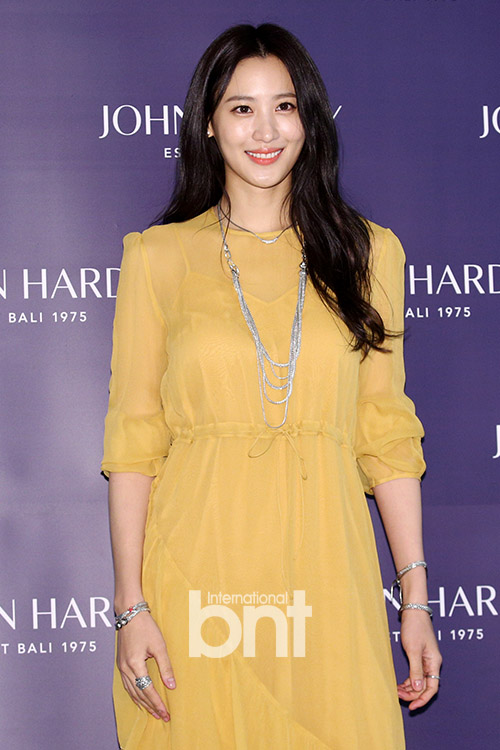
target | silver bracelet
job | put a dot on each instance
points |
(125, 617)
(401, 573)
(415, 606)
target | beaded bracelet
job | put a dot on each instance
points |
(125, 617)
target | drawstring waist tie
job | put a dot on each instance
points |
(268, 434)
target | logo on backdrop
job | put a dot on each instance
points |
(77, 284)
(128, 120)
(31, 622)
(497, 454)
(62, 285)
(464, 282)
(467, 279)
(491, 123)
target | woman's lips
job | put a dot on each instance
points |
(264, 157)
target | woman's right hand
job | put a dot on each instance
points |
(139, 640)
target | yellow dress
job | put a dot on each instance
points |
(255, 517)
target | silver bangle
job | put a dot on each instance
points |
(401, 573)
(410, 605)
(125, 617)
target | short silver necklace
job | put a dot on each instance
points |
(295, 337)
(250, 231)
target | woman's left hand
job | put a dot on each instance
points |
(421, 647)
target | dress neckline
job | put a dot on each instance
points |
(247, 233)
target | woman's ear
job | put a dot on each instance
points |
(210, 131)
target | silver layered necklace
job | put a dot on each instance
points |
(262, 354)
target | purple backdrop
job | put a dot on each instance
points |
(415, 83)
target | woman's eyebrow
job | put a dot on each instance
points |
(238, 97)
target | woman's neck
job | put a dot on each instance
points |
(259, 211)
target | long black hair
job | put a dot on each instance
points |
(335, 237)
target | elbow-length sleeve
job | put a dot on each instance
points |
(388, 432)
(136, 436)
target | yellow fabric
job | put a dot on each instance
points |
(239, 508)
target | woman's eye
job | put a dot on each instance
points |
(242, 109)
(286, 106)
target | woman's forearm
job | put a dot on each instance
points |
(400, 505)
(128, 505)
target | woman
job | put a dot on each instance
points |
(223, 478)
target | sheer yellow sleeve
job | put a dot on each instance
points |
(388, 432)
(136, 436)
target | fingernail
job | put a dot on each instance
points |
(167, 718)
(155, 715)
(171, 682)
(417, 684)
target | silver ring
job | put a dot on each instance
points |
(143, 682)
(433, 676)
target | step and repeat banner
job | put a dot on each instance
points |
(92, 102)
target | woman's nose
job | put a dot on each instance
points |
(265, 127)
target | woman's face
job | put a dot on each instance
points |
(257, 125)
